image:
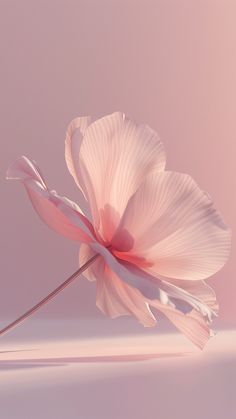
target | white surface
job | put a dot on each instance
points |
(152, 376)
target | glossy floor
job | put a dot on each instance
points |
(152, 376)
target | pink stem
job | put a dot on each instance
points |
(49, 297)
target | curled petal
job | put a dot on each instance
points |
(176, 227)
(192, 325)
(86, 253)
(200, 290)
(74, 137)
(115, 156)
(59, 213)
(176, 294)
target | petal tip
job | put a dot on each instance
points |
(13, 167)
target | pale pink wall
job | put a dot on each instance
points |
(171, 64)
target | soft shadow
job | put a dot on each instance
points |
(22, 365)
(18, 350)
(63, 361)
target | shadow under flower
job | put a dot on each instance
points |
(64, 361)
(18, 350)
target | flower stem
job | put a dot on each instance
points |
(50, 296)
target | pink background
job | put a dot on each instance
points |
(171, 64)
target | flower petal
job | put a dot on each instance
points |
(177, 295)
(116, 298)
(192, 325)
(86, 253)
(176, 227)
(117, 295)
(200, 290)
(59, 213)
(74, 137)
(148, 288)
(115, 156)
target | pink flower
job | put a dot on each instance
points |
(158, 236)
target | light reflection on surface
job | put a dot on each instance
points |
(114, 377)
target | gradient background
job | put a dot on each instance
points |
(171, 64)
(168, 63)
